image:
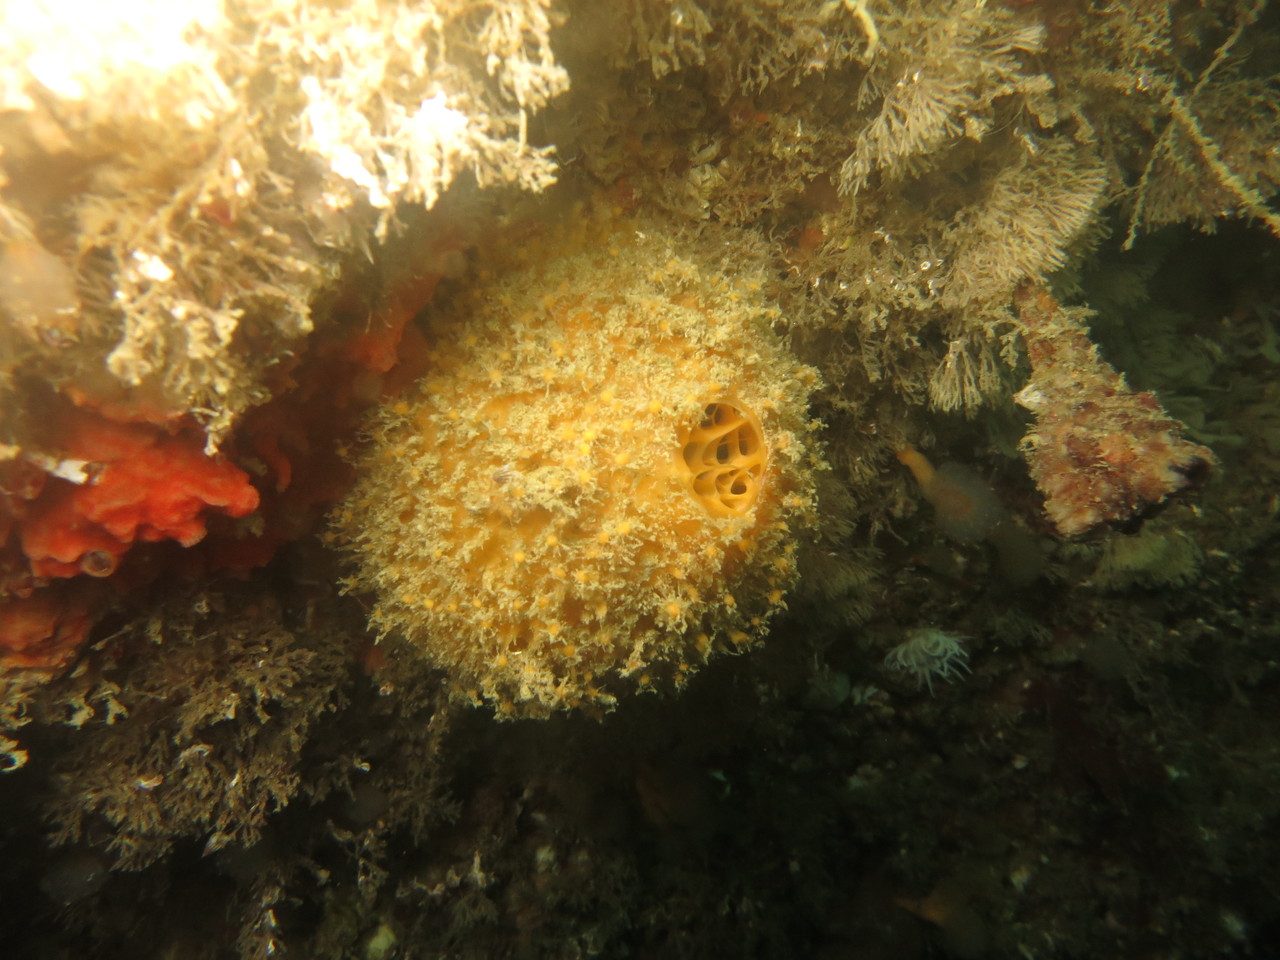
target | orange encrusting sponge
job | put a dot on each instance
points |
(146, 486)
(604, 473)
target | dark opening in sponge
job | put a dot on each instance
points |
(724, 457)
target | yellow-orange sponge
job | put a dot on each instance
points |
(605, 473)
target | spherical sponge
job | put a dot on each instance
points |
(604, 474)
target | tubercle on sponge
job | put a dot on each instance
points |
(1099, 452)
(604, 473)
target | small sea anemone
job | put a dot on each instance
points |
(965, 506)
(928, 652)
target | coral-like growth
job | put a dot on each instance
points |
(539, 512)
(1099, 451)
(240, 690)
(180, 182)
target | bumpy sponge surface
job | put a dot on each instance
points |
(605, 473)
